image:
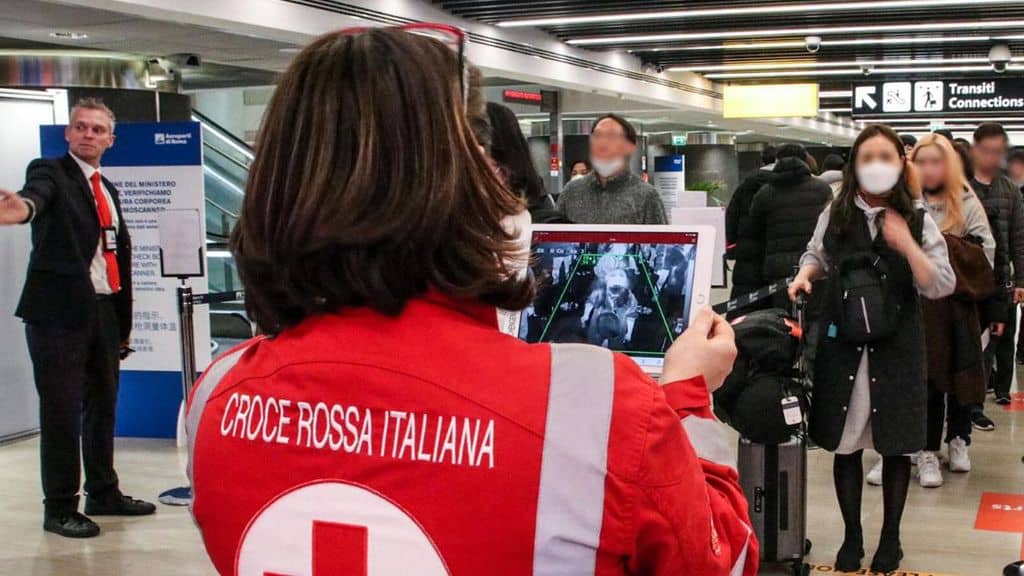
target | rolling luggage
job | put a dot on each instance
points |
(774, 476)
(774, 480)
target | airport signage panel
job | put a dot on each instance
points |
(770, 101)
(972, 96)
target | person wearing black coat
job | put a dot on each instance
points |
(746, 274)
(511, 154)
(783, 215)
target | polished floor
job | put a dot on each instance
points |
(939, 534)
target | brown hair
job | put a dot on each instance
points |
(368, 187)
(904, 193)
(956, 183)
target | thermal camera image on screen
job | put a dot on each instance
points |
(629, 296)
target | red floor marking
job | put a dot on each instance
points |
(1000, 513)
(1016, 404)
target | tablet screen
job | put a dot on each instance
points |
(627, 291)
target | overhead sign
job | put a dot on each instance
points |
(770, 101)
(522, 96)
(928, 97)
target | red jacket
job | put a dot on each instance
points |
(431, 443)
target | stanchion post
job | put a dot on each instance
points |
(182, 495)
(187, 333)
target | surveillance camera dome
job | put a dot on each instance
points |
(866, 70)
(999, 56)
(812, 43)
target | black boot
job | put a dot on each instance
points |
(850, 554)
(895, 483)
(848, 474)
(887, 558)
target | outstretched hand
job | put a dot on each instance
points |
(707, 348)
(13, 208)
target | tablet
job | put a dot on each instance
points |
(631, 289)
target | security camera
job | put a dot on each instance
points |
(660, 68)
(812, 43)
(186, 60)
(866, 70)
(999, 55)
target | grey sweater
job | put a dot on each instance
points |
(623, 199)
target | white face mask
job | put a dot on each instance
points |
(606, 168)
(578, 176)
(878, 177)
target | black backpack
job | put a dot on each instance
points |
(763, 375)
(865, 311)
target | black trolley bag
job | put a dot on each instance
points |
(773, 475)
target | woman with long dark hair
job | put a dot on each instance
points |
(880, 250)
(511, 154)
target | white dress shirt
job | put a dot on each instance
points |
(98, 266)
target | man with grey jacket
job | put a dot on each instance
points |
(611, 193)
(1005, 209)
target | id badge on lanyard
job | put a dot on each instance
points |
(109, 235)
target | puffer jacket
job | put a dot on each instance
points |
(746, 275)
(783, 216)
(1005, 211)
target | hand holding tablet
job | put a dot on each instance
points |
(631, 289)
(707, 348)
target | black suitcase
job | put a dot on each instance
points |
(774, 480)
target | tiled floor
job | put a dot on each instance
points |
(939, 535)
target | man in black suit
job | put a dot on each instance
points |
(77, 308)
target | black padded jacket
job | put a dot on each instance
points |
(1005, 210)
(746, 275)
(783, 215)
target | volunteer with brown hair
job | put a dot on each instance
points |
(877, 244)
(386, 421)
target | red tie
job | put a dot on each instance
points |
(103, 210)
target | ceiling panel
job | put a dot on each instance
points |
(986, 21)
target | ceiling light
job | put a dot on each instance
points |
(823, 64)
(850, 72)
(847, 42)
(290, 50)
(788, 8)
(833, 110)
(67, 35)
(931, 120)
(835, 94)
(768, 32)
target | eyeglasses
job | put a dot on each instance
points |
(451, 36)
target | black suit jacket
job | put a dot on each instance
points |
(65, 231)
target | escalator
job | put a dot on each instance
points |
(226, 162)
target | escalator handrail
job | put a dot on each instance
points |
(228, 157)
(221, 208)
(224, 133)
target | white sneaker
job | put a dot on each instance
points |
(959, 459)
(928, 471)
(874, 476)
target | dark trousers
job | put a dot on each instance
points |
(944, 410)
(76, 373)
(999, 356)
